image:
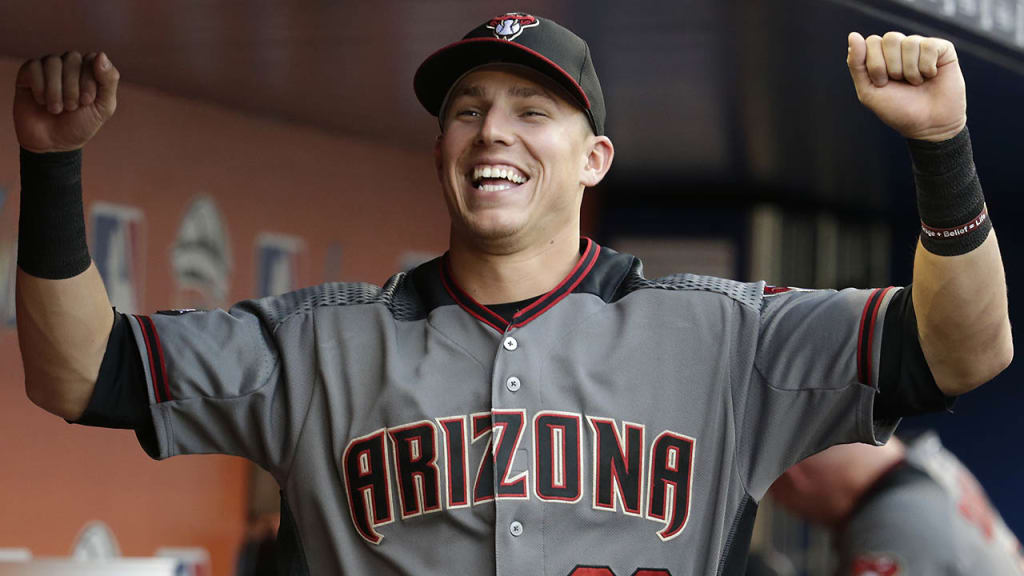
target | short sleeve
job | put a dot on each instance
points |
(813, 379)
(217, 382)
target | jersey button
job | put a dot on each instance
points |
(510, 343)
(513, 384)
(516, 528)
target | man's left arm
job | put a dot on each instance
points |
(915, 86)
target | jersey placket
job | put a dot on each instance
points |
(515, 394)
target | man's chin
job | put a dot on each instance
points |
(491, 232)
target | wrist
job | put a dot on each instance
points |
(939, 134)
(954, 219)
(51, 226)
(35, 160)
(940, 158)
(51, 150)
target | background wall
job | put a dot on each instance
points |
(369, 203)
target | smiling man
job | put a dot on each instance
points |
(528, 403)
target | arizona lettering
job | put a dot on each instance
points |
(456, 462)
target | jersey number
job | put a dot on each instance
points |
(605, 571)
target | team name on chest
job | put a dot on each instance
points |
(397, 470)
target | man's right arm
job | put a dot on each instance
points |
(63, 313)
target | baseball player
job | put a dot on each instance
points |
(901, 510)
(528, 403)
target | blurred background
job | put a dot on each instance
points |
(261, 146)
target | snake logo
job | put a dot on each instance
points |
(510, 26)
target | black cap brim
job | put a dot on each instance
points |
(439, 72)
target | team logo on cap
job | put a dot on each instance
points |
(511, 25)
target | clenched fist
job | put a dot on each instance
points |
(913, 84)
(60, 102)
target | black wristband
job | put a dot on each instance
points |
(51, 227)
(954, 219)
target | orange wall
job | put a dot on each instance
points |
(375, 201)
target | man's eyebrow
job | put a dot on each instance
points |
(474, 91)
(518, 91)
(523, 91)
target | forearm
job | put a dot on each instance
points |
(64, 316)
(962, 317)
(959, 287)
(63, 326)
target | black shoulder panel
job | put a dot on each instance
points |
(398, 295)
(745, 293)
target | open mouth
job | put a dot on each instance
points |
(495, 178)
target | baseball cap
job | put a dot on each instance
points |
(515, 38)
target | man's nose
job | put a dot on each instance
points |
(495, 128)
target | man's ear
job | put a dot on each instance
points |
(598, 161)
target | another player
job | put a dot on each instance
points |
(899, 510)
(528, 403)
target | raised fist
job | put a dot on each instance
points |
(60, 102)
(913, 84)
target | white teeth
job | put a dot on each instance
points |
(503, 172)
(494, 187)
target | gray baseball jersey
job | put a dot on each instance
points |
(617, 426)
(928, 516)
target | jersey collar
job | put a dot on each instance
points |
(598, 270)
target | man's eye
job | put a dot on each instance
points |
(534, 113)
(467, 113)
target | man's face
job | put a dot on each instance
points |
(513, 157)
